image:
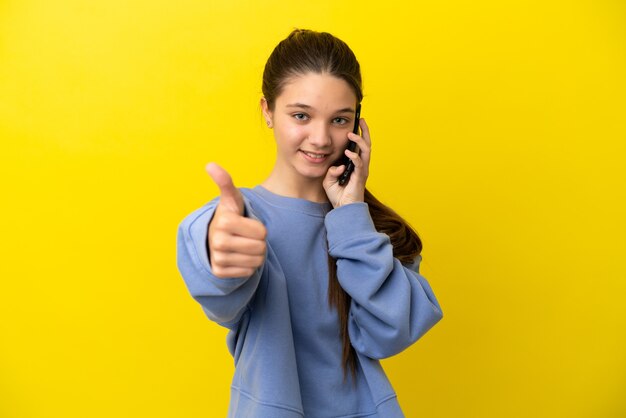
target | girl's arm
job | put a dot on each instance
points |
(392, 305)
(224, 300)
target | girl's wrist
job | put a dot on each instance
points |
(359, 199)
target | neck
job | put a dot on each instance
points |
(301, 188)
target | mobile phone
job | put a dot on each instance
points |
(345, 176)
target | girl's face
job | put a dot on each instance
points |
(311, 120)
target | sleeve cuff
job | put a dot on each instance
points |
(347, 222)
(198, 233)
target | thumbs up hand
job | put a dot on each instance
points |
(236, 243)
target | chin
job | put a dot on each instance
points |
(313, 172)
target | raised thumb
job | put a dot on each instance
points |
(230, 197)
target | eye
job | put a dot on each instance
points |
(340, 121)
(300, 116)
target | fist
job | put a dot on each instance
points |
(236, 243)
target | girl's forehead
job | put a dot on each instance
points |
(317, 91)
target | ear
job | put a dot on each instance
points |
(267, 113)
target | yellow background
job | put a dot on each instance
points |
(499, 132)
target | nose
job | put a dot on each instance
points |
(320, 136)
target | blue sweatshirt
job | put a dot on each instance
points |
(283, 335)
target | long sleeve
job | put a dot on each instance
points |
(392, 305)
(223, 300)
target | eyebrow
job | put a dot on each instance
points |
(305, 106)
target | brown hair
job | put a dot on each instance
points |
(305, 51)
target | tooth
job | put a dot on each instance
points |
(315, 155)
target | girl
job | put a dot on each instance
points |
(316, 281)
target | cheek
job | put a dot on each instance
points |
(290, 135)
(340, 140)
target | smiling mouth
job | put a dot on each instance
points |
(314, 157)
(310, 154)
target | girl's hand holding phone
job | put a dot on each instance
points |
(354, 190)
(236, 243)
